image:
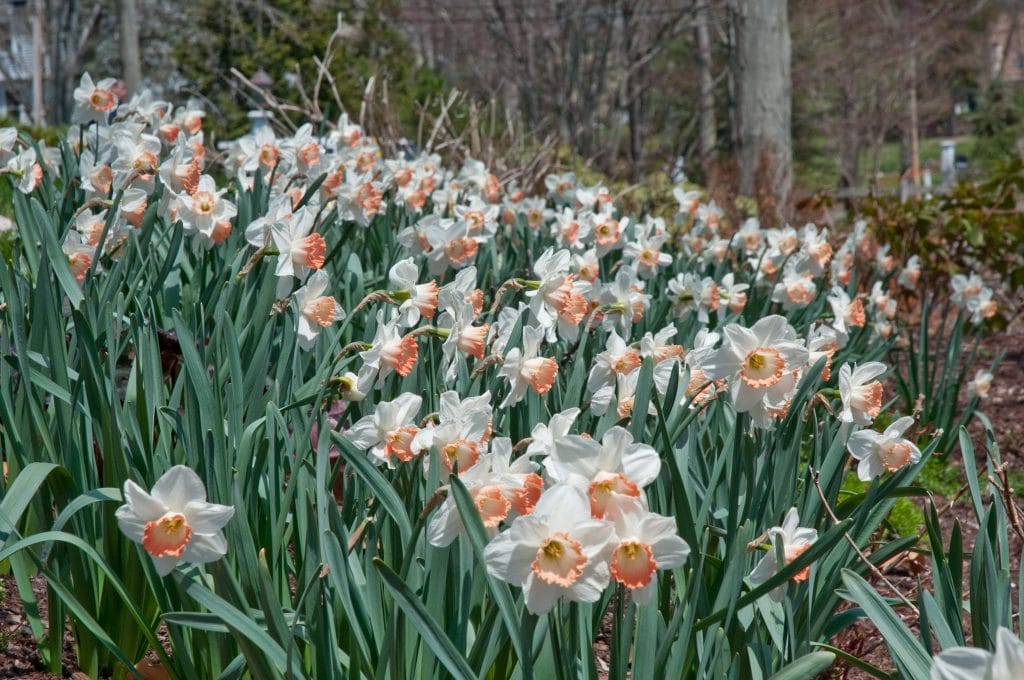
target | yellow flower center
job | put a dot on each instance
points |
(202, 202)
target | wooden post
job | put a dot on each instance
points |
(915, 159)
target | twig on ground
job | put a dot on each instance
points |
(897, 561)
(1006, 495)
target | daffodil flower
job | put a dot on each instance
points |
(647, 542)
(793, 540)
(556, 551)
(644, 254)
(26, 169)
(618, 359)
(980, 385)
(316, 310)
(761, 364)
(390, 351)
(911, 273)
(969, 663)
(174, 523)
(300, 249)
(94, 101)
(524, 369)
(847, 312)
(416, 299)
(860, 392)
(878, 452)
(544, 435)
(500, 488)
(206, 212)
(389, 431)
(616, 469)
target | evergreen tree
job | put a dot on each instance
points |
(281, 36)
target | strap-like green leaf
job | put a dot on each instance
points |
(21, 493)
(807, 666)
(432, 634)
(382, 488)
(499, 590)
(907, 651)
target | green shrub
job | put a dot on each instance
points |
(998, 124)
(977, 226)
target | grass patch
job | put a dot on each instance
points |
(941, 477)
(905, 518)
(1016, 480)
(819, 166)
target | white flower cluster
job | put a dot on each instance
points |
(569, 515)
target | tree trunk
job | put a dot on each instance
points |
(905, 155)
(731, 74)
(633, 95)
(38, 63)
(130, 59)
(850, 142)
(706, 83)
(849, 159)
(764, 101)
(57, 13)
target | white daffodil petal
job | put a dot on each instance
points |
(207, 518)
(178, 486)
(961, 663)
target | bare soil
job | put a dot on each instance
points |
(19, 654)
(1005, 408)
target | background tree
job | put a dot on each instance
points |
(631, 87)
(285, 39)
(706, 82)
(131, 61)
(72, 34)
(594, 71)
(852, 75)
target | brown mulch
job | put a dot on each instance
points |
(19, 653)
